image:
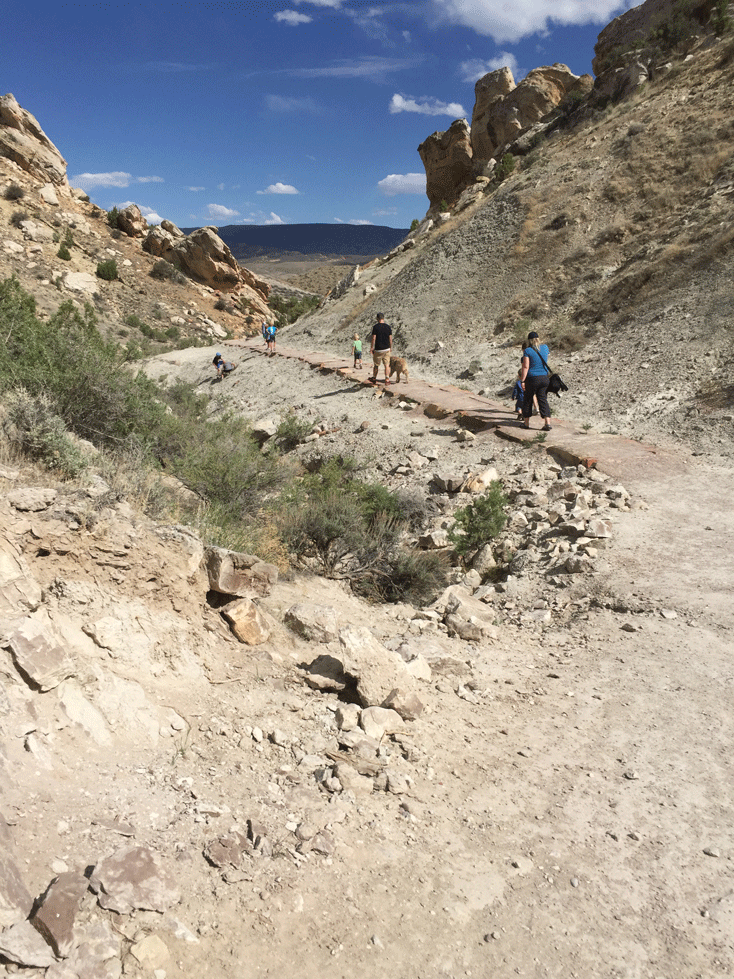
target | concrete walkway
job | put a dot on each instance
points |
(620, 457)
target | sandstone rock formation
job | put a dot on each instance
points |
(131, 221)
(502, 111)
(447, 158)
(24, 142)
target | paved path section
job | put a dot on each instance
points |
(620, 457)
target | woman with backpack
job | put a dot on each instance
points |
(534, 375)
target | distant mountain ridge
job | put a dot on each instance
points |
(327, 240)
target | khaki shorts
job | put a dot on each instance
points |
(381, 357)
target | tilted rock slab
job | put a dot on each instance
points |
(15, 901)
(54, 918)
(134, 877)
(22, 944)
(248, 623)
(23, 141)
(19, 590)
(38, 652)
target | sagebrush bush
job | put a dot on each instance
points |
(14, 192)
(292, 430)
(64, 252)
(288, 310)
(481, 521)
(165, 271)
(107, 270)
(41, 433)
(18, 217)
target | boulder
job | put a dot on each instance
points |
(379, 721)
(315, 623)
(24, 142)
(172, 229)
(449, 163)
(238, 574)
(131, 221)
(19, 591)
(205, 257)
(248, 623)
(159, 242)
(377, 670)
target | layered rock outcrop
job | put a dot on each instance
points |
(24, 142)
(502, 111)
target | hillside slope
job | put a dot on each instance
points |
(614, 239)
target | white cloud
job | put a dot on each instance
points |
(292, 103)
(474, 69)
(510, 22)
(384, 212)
(278, 189)
(359, 221)
(150, 180)
(115, 179)
(150, 215)
(373, 67)
(403, 183)
(426, 106)
(273, 219)
(196, 188)
(334, 4)
(292, 18)
(220, 211)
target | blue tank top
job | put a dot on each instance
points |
(536, 368)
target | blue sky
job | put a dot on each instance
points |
(284, 112)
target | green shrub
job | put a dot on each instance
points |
(112, 217)
(288, 310)
(291, 432)
(480, 522)
(504, 168)
(18, 217)
(13, 192)
(414, 224)
(41, 433)
(107, 270)
(64, 253)
(165, 271)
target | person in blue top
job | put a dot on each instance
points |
(534, 375)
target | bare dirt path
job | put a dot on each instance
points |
(573, 818)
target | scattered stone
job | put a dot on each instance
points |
(347, 717)
(711, 851)
(32, 498)
(238, 574)
(22, 944)
(54, 918)
(134, 877)
(379, 721)
(151, 952)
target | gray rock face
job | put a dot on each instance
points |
(134, 877)
(24, 142)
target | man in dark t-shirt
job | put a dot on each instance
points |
(380, 347)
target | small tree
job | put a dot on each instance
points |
(414, 224)
(64, 252)
(112, 217)
(480, 522)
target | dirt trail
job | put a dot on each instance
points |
(568, 835)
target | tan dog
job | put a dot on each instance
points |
(398, 366)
